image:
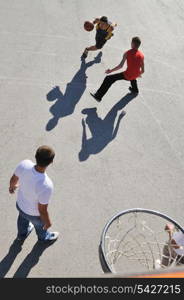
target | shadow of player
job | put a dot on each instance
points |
(8, 260)
(102, 131)
(29, 262)
(65, 104)
(32, 259)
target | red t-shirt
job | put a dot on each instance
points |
(134, 63)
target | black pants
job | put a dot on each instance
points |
(109, 80)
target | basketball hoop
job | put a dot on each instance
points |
(135, 240)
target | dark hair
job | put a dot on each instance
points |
(137, 41)
(44, 156)
(104, 19)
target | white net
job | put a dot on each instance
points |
(139, 242)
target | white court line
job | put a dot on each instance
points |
(54, 55)
(162, 92)
(151, 59)
(54, 82)
(35, 82)
(23, 81)
(42, 35)
(35, 52)
(158, 122)
(77, 39)
(166, 64)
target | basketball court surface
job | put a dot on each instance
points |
(45, 99)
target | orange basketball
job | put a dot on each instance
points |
(88, 26)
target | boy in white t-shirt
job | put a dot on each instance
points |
(34, 191)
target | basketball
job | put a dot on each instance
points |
(88, 26)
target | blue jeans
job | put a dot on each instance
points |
(23, 223)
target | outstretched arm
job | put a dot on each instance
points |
(119, 66)
(96, 20)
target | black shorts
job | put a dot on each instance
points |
(100, 43)
(100, 38)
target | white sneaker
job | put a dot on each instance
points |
(52, 236)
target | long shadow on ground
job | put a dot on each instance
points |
(29, 262)
(65, 103)
(31, 259)
(8, 260)
(102, 131)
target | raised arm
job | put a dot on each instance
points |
(119, 66)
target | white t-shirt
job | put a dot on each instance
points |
(34, 188)
(179, 239)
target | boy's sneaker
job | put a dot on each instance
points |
(51, 237)
(22, 238)
(95, 97)
(84, 55)
(133, 91)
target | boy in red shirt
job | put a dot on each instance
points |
(135, 68)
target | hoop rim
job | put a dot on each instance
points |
(105, 266)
